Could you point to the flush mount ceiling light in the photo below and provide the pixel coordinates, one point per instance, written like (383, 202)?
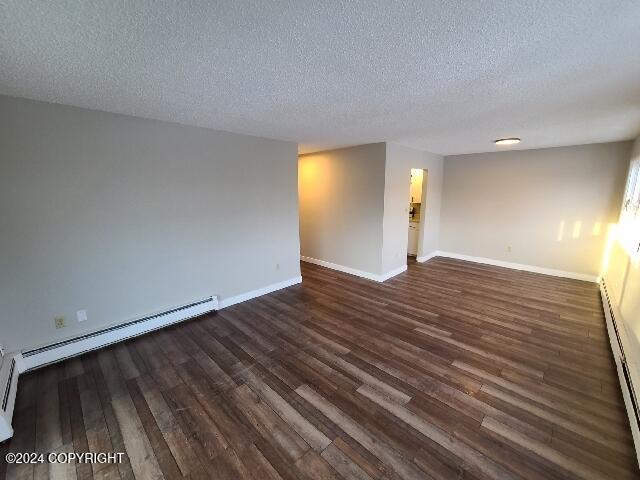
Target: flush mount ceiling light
(507, 141)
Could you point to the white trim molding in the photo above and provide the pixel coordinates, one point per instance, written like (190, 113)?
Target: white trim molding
(353, 271)
(391, 273)
(15, 364)
(341, 268)
(517, 266)
(428, 256)
(243, 297)
(625, 359)
(71, 347)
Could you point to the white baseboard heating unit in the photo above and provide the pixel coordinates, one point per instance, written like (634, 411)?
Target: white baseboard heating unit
(9, 382)
(16, 363)
(624, 365)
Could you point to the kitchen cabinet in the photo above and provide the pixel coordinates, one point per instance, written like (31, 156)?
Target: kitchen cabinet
(415, 194)
(412, 245)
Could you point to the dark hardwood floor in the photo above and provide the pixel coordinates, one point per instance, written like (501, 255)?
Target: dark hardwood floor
(451, 370)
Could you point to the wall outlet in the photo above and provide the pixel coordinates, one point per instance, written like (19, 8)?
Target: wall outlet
(508, 248)
(81, 315)
(277, 266)
(59, 322)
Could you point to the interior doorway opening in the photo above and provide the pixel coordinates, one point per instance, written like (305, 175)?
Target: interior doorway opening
(417, 209)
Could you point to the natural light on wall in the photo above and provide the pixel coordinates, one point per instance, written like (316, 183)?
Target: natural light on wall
(577, 229)
(561, 231)
(628, 231)
(612, 233)
(314, 173)
(308, 171)
(577, 226)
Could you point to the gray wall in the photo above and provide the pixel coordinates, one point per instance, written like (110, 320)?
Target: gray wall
(521, 199)
(400, 160)
(342, 206)
(124, 217)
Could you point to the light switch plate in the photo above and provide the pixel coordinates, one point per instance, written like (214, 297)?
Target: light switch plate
(81, 315)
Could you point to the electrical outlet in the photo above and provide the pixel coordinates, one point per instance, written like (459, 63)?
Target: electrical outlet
(277, 266)
(81, 315)
(59, 322)
(508, 248)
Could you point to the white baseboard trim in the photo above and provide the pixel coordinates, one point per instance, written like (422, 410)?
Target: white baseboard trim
(428, 256)
(518, 266)
(341, 268)
(71, 347)
(353, 271)
(392, 273)
(625, 360)
(38, 357)
(17, 363)
(243, 297)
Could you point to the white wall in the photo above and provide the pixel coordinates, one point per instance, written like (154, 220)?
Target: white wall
(622, 277)
(123, 217)
(341, 206)
(400, 160)
(522, 198)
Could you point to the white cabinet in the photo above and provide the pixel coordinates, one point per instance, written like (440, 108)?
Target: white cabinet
(415, 195)
(412, 245)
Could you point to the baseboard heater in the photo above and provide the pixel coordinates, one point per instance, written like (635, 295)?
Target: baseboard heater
(617, 339)
(9, 382)
(17, 363)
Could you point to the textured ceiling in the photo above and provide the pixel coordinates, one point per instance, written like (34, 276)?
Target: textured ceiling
(445, 76)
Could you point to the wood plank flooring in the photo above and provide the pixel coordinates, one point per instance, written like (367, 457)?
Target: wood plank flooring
(450, 370)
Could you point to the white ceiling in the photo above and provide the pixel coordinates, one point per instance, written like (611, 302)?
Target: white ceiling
(445, 76)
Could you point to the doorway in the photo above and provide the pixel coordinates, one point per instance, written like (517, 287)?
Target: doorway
(417, 210)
